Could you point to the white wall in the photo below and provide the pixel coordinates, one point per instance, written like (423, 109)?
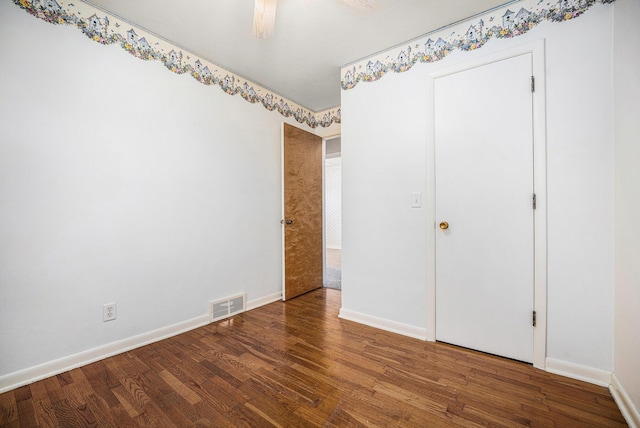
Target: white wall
(627, 162)
(384, 240)
(122, 182)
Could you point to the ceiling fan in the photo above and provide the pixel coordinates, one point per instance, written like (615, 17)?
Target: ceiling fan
(264, 15)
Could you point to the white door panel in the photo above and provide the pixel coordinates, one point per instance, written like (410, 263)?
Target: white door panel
(484, 188)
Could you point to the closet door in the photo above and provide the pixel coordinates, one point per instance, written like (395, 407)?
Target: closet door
(484, 210)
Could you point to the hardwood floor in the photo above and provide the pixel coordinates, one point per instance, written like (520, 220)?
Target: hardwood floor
(296, 364)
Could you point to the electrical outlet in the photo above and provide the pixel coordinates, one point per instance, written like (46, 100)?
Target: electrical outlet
(109, 312)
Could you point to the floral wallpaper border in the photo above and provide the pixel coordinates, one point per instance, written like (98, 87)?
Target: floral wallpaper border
(510, 21)
(108, 30)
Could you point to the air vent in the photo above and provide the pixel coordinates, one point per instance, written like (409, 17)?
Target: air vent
(221, 309)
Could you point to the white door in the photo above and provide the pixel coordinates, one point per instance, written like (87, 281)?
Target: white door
(484, 192)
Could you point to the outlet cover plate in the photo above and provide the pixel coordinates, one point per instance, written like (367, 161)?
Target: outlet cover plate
(109, 312)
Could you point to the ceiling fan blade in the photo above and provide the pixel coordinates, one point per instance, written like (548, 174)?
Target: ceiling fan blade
(264, 18)
(361, 4)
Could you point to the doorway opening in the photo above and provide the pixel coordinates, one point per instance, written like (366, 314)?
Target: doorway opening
(333, 213)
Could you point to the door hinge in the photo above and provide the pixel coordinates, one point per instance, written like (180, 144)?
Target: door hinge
(534, 318)
(533, 84)
(534, 201)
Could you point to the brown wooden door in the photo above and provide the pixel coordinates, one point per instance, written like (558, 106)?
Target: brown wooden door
(302, 212)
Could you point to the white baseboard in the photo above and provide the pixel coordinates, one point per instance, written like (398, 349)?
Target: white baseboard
(579, 372)
(626, 406)
(384, 324)
(51, 368)
(256, 303)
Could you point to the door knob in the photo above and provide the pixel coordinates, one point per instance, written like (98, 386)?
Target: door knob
(289, 221)
(444, 225)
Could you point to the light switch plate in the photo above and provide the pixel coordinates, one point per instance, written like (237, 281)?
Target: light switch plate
(416, 200)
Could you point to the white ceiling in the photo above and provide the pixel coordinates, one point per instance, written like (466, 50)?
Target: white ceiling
(313, 39)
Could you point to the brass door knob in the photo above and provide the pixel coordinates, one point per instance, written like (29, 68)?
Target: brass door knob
(444, 225)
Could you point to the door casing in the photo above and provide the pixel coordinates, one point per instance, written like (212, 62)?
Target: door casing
(537, 49)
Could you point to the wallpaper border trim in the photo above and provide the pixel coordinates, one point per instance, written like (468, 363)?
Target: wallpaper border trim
(501, 23)
(108, 29)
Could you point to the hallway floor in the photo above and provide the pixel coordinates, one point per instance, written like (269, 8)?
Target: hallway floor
(334, 269)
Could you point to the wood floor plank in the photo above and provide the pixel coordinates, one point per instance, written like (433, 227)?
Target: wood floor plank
(279, 407)
(26, 413)
(341, 416)
(100, 411)
(183, 390)
(128, 402)
(165, 403)
(45, 414)
(24, 406)
(263, 415)
(65, 414)
(243, 416)
(211, 417)
(8, 409)
(296, 364)
(419, 384)
(585, 416)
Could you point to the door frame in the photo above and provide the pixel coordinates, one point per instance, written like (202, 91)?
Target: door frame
(537, 49)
